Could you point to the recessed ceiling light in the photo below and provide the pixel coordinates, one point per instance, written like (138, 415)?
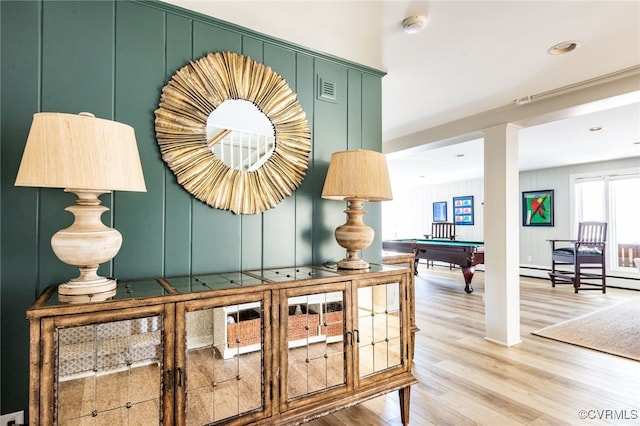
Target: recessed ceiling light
(459, 155)
(562, 48)
(414, 24)
(595, 129)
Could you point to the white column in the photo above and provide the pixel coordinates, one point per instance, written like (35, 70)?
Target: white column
(501, 234)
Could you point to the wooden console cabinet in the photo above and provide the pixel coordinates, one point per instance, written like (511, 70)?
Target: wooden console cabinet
(277, 346)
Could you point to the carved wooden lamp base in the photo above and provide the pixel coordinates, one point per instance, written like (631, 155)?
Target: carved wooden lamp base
(354, 236)
(86, 244)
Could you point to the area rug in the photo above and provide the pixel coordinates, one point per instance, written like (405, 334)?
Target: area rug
(614, 330)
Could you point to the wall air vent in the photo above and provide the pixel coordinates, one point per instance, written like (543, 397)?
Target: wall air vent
(326, 90)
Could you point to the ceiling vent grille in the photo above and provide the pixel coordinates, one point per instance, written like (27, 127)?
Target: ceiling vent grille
(326, 90)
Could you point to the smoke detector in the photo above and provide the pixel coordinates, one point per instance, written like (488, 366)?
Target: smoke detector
(414, 24)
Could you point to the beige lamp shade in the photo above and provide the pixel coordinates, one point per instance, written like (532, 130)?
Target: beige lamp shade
(80, 151)
(357, 174)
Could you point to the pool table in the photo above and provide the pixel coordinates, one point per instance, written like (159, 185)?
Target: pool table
(466, 254)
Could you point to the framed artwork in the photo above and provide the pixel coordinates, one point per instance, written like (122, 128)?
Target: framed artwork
(537, 208)
(463, 210)
(440, 211)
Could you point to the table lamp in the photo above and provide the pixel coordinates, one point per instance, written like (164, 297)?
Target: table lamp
(87, 156)
(356, 176)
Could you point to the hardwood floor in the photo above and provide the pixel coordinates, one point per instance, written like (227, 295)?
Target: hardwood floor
(466, 380)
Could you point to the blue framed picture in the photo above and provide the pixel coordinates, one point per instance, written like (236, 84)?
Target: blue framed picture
(463, 210)
(440, 211)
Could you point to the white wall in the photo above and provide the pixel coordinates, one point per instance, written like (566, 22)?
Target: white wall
(410, 213)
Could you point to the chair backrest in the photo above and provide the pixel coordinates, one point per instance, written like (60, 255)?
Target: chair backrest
(443, 230)
(592, 232)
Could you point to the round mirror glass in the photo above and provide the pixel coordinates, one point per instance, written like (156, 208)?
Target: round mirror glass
(240, 135)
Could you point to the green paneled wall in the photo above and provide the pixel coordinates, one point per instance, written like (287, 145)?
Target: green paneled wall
(112, 58)
(19, 99)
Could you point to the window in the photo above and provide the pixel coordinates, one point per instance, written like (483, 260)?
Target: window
(612, 197)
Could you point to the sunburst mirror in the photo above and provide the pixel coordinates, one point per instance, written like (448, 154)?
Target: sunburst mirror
(233, 132)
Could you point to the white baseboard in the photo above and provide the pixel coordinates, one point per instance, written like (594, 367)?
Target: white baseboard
(627, 280)
(630, 283)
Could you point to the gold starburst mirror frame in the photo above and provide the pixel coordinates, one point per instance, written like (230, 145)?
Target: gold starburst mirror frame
(208, 139)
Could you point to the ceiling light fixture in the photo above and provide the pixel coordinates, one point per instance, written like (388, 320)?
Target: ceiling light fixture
(595, 129)
(563, 47)
(414, 24)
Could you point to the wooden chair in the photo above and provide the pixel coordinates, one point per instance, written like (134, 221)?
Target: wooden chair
(441, 231)
(586, 255)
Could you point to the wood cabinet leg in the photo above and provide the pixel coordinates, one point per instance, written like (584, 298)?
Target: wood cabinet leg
(405, 401)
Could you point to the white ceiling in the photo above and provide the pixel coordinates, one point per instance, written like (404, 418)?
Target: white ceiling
(472, 57)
